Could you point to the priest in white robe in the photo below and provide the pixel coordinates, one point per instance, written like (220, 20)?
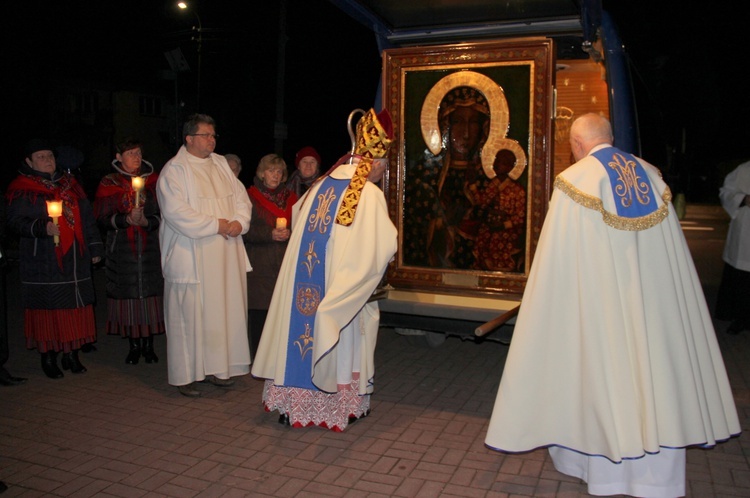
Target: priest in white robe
(731, 301)
(317, 347)
(614, 364)
(205, 209)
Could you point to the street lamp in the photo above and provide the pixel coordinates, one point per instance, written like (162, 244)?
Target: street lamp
(199, 39)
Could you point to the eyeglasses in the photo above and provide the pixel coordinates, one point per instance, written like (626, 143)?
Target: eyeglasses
(206, 135)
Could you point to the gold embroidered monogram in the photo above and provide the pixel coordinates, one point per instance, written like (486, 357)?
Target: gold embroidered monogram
(613, 220)
(629, 185)
(320, 219)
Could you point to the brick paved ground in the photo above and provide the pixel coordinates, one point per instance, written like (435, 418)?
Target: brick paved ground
(121, 430)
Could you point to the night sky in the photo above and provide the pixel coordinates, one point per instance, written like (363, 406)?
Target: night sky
(332, 66)
(687, 61)
(685, 58)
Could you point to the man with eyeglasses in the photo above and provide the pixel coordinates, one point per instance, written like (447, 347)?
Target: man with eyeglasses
(205, 209)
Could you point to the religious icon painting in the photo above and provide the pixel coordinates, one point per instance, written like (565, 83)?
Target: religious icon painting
(470, 176)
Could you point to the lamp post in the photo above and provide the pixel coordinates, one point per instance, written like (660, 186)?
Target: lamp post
(199, 39)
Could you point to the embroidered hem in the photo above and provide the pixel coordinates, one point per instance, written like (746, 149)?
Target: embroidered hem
(135, 318)
(307, 407)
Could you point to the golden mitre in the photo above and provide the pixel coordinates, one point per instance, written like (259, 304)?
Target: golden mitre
(374, 134)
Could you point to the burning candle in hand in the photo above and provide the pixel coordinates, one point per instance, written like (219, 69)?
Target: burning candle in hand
(137, 186)
(54, 210)
(280, 222)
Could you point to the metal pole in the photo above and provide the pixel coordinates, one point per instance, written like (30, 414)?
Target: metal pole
(280, 132)
(200, 50)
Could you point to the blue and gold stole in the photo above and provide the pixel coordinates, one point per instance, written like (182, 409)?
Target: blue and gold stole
(309, 283)
(632, 190)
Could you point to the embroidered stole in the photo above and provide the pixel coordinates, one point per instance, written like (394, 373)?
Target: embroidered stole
(309, 283)
(631, 188)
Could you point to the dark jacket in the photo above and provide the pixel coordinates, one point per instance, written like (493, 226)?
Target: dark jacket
(265, 253)
(300, 185)
(50, 280)
(133, 263)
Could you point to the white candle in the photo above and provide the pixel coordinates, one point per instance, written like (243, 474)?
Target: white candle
(54, 210)
(280, 222)
(137, 186)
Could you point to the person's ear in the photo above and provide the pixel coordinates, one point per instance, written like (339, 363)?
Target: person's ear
(28, 161)
(118, 156)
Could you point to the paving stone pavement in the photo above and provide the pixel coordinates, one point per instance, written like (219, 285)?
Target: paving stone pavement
(121, 430)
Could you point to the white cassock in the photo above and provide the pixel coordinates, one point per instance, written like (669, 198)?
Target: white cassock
(205, 290)
(614, 353)
(346, 325)
(736, 187)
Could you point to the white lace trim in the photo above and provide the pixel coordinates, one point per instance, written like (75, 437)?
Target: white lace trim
(306, 407)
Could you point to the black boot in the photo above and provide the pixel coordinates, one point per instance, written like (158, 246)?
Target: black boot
(135, 352)
(147, 346)
(49, 365)
(88, 347)
(71, 362)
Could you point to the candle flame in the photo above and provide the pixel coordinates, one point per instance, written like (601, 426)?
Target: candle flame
(54, 209)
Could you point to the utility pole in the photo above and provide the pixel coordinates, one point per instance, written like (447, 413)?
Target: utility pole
(279, 128)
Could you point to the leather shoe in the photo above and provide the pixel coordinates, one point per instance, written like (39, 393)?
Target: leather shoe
(353, 418)
(189, 390)
(49, 365)
(6, 379)
(70, 361)
(147, 348)
(212, 379)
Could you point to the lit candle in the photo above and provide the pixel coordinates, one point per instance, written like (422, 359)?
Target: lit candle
(54, 210)
(137, 186)
(280, 222)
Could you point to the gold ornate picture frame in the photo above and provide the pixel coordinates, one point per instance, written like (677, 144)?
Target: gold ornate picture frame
(470, 171)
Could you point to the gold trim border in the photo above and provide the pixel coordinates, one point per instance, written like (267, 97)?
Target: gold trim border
(613, 220)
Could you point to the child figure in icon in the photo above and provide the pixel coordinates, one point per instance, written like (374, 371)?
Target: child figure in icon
(500, 216)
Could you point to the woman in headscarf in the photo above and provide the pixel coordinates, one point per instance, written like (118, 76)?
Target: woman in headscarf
(307, 162)
(56, 254)
(127, 210)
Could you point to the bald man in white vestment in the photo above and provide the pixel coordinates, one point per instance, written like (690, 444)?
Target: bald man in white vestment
(614, 364)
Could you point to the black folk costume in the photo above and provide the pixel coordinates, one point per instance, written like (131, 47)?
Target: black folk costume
(57, 291)
(135, 285)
